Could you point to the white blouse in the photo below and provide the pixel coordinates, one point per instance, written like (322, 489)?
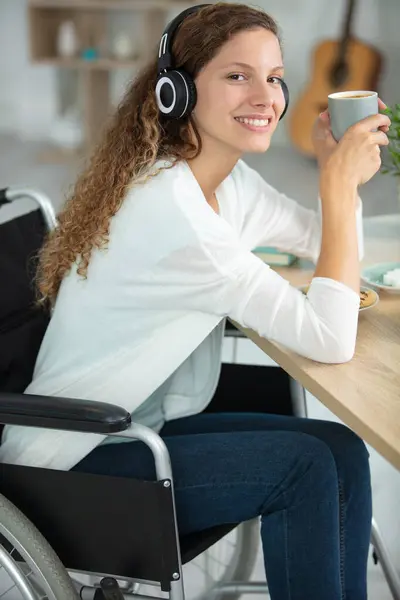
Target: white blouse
(150, 308)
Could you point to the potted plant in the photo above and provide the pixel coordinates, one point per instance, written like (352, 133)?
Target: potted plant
(391, 165)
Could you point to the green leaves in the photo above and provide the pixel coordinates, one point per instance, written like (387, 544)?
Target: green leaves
(392, 166)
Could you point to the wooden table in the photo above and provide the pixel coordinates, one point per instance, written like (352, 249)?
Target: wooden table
(364, 393)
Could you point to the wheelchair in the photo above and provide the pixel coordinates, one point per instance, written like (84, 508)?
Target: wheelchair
(63, 536)
(68, 535)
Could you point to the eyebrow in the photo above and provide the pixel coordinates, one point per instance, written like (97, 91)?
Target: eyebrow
(246, 66)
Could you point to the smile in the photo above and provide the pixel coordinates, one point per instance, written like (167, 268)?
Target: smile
(254, 122)
(259, 125)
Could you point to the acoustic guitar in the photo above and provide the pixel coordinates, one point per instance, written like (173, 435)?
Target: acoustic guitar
(338, 65)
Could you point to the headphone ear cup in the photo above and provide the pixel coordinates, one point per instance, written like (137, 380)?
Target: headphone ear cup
(176, 94)
(286, 95)
(192, 93)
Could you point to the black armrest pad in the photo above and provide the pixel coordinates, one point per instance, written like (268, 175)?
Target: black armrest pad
(62, 413)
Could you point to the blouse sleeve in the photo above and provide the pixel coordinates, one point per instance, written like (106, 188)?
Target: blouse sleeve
(273, 219)
(219, 275)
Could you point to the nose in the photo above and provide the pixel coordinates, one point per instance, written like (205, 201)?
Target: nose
(262, 95)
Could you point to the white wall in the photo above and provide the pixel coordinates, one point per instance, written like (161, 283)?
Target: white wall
(28, 101)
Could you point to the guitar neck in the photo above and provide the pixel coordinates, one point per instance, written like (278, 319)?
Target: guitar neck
(347, 26)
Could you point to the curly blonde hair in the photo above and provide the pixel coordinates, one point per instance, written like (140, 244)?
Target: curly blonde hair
(136, 137)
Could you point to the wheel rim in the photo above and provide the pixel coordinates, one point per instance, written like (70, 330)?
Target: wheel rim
(13, 579)
(22, 565)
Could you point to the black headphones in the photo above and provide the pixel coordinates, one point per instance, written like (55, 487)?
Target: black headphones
(175, 89)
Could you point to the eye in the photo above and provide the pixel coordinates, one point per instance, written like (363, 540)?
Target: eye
(275, 80)
(235, 76)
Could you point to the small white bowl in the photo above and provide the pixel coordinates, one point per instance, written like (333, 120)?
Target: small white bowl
(373, 276)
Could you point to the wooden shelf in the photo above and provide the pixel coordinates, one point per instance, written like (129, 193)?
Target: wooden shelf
(111, 4)
(95, 22)
(105, 64)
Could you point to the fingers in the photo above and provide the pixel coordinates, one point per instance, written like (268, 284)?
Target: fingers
(373, 122)
(324, 116)
(380, 138)
(324, 129)
(381, 105)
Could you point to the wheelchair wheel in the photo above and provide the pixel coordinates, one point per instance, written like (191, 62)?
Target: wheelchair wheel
(231, 559)
(29, 567)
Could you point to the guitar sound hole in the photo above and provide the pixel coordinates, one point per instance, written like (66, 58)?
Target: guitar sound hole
(339, 74)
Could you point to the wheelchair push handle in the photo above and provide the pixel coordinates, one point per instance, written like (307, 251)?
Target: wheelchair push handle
(11, 193)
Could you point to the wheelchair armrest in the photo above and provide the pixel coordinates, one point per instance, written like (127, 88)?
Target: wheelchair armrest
(70, 414)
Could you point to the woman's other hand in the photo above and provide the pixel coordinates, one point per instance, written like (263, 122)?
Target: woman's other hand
(323, 140)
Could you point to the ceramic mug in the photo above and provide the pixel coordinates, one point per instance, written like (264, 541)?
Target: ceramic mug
(347, 108)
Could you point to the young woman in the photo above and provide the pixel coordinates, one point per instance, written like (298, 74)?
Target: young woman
(153, 251)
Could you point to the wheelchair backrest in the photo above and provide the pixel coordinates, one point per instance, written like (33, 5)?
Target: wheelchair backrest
(22, 322)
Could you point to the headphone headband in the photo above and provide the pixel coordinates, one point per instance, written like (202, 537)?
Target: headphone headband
(165, 58)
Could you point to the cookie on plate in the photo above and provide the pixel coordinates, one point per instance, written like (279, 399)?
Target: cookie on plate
(367, 298)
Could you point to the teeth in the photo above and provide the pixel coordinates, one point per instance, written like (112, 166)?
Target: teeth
(253, 122)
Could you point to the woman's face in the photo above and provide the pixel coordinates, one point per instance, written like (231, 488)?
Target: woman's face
(239, 96)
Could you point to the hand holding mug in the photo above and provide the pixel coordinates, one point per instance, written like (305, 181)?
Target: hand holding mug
(323, 137)
(357, 156)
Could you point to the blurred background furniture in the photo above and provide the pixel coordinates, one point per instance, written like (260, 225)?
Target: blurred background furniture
(93, 38)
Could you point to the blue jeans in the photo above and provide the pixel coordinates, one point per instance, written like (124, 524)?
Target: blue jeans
(309, 480)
